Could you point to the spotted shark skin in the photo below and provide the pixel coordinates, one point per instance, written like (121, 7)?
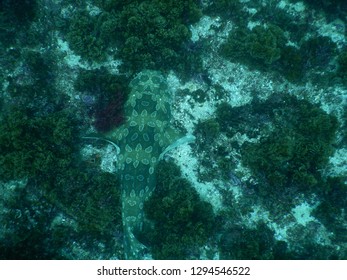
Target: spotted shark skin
(142, 139)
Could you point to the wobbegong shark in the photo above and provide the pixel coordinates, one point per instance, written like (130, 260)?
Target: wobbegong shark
(143, 139)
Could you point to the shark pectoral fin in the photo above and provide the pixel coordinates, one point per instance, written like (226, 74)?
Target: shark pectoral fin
(183, 140)
(96, 138)
(171, 135)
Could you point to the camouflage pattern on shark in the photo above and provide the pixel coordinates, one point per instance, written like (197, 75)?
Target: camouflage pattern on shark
(143, 139)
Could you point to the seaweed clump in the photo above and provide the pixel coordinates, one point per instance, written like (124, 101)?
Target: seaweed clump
(35, 146)
(296, 149)
(260, 47)
(15, 17)
(238, 243)
(148, 34)
(296, 139)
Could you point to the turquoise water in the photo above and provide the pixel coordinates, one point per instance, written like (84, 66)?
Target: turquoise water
(173, 129)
